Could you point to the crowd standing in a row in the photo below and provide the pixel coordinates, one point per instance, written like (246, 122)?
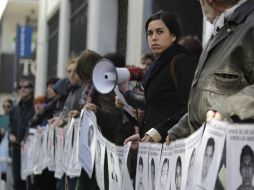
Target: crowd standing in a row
(169, 103)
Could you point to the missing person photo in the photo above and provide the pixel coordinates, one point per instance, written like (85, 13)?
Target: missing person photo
(178, 173)
(114, 176)
(140, 171)
(152, 174)
(208, 158)
(246, 168)
(164, 173)
(90, 135)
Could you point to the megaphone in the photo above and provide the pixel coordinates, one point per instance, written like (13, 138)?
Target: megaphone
(106, 76)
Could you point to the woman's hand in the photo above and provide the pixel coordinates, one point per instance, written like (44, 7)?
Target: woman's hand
(74, 113)
(91, 107)
(118, 103)
(134, 139)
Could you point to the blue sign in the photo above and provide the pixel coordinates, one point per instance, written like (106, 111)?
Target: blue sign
(24, 41)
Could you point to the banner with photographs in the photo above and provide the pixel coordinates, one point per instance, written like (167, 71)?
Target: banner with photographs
(208, 157)
(179, 165)
(154, 154)
(240, 157)
(42, 163)
(99, 160)
(114, 174)
(192, 143)
(163, 181)
(142, 167)
(87, 143)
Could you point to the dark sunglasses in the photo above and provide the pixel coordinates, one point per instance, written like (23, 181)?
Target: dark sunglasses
(6, 106)
(24, 86)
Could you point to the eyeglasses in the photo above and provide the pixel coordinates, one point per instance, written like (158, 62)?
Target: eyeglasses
(7, 106)
(24, 86)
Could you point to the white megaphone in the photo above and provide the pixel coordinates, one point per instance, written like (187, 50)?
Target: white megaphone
(106, 76)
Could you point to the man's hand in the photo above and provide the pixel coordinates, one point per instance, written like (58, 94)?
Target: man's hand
(168, 140)
(118, 103)
(211, 114)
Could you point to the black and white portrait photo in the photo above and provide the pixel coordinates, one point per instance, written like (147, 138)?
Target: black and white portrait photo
(208, 157)
(178, 173)
(113, 175)
(164, 173)
(90, 135)
(246, 168)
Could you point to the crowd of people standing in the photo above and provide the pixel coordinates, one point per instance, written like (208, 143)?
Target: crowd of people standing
(178, 93)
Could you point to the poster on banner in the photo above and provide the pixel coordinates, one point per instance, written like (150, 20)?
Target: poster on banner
(163, 180)
(179, 165)
(120, 160)
(240, 147)
(74, 169)
(27, 148)
(192, 143)
(99, 160)
(127, 182)
(42, 164)
(154, 154)
(209, 155)
(142, 167)
(51, 148)
(37, 151)
(68, 135)
(113, 167)
(59, 150)
(87, 141)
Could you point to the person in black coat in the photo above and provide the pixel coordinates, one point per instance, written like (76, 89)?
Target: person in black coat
(166, 83)
(20, 115)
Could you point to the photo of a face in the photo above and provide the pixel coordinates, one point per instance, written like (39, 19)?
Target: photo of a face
(90, 135)
(153, 174)
(208, 158)
(164, 173)
(113, 173)
(140, 170)
(178, 173)
(246, 168)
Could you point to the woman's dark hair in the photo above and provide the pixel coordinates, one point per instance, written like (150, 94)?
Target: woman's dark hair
(169, 20)
(86, 62)
(117, 58)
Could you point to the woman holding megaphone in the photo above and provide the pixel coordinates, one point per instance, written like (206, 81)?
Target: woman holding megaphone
(166, 83)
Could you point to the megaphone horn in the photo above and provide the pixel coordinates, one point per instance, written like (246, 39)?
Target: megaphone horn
(106, 76)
